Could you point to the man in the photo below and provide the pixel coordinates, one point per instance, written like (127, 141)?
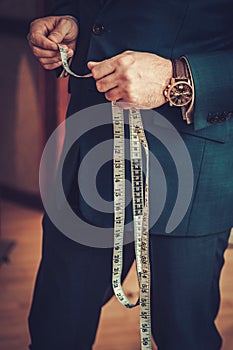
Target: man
(129, 48)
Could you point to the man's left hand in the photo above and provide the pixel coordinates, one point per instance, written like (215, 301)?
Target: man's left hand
(133, 79)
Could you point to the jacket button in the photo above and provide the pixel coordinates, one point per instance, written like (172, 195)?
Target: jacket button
(98, 29)
(229, 115)
(223, 118)
(213, 119)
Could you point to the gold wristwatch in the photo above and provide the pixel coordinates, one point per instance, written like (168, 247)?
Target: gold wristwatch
(179, 92)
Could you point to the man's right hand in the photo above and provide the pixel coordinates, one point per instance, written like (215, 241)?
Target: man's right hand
(45, 33)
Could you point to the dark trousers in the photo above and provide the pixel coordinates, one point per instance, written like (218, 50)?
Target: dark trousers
(74, 281)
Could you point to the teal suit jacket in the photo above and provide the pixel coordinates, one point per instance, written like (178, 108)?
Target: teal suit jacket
(202, 31)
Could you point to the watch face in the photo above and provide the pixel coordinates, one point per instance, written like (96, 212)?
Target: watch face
(180, 93)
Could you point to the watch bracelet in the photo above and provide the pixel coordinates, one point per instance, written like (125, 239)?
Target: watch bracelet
(187, 111)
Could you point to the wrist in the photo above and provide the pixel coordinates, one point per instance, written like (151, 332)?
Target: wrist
(165, 77)
(168, 73)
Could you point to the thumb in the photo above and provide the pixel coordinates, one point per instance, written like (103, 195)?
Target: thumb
(91, 64)
(58, 34)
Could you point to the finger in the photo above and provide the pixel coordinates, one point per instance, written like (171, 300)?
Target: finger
(126, 105)
(92, 64)
(113, 95)
(101, 69)
(46, 60)
(107, 83)
(37, 38)
(41, 53)
(52, 66)
(59, 33)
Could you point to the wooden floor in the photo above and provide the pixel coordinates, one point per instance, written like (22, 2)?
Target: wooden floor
(118, 327)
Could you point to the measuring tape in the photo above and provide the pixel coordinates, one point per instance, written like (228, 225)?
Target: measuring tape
(66, 64)
(140, 214)
(140, 196)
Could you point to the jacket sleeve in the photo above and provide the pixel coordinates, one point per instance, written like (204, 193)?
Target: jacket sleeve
(213, 81)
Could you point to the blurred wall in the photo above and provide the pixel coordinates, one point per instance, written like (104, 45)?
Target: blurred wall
(21, 112)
